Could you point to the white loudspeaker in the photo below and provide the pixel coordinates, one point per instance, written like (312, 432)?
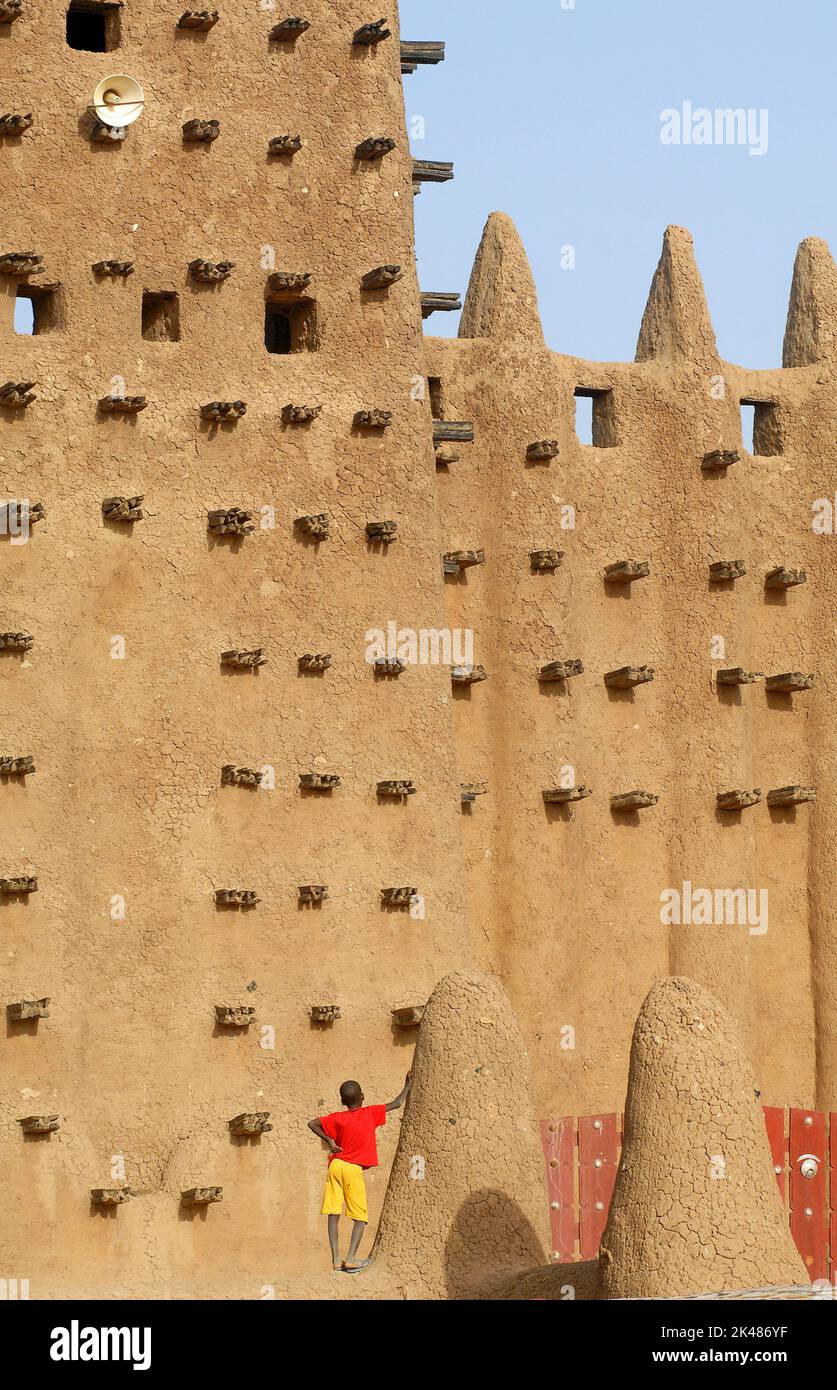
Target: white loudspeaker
(118, 100)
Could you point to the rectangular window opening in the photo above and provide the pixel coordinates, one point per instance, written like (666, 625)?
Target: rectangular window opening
(37, 310)
(92, 27)
(291, 327)
(595, 423)
(437, 397)
(760, 429)
(160, 316)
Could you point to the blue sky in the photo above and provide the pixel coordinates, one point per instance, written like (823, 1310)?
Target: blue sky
(558, 124)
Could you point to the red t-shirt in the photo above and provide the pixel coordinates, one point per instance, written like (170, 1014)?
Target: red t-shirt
(354, 1131)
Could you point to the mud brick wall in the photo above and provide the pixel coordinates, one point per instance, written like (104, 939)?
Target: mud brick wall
(565, 901)
(127, 797)
(129, 715)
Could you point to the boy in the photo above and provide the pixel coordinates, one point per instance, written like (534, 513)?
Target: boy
(350, 1135)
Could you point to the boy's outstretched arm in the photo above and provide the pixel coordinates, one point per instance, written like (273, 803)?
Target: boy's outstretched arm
(316, 1128)
(400, 1099)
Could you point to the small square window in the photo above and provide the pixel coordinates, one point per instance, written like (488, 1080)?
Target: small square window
(37, 309)
(160, 316)
(92, 27)
(291, 327)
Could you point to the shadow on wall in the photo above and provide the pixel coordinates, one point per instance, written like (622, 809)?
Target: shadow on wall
(488, 1236)
(489, 1233)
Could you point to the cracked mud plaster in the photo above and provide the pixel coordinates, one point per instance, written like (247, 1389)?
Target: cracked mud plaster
(478, 1211)
(681, 1221)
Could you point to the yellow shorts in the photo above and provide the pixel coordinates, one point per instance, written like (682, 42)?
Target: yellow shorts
(345, 1180)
